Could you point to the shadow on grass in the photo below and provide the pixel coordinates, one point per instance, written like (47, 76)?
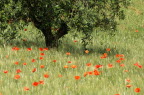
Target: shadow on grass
(99, 49)
(25, 44)
(75, 49)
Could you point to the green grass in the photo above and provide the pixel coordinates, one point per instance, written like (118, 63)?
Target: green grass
(111, 81)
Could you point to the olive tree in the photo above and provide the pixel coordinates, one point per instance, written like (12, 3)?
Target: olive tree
(82, 15)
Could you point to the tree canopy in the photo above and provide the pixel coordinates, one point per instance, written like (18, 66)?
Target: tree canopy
(83, 15)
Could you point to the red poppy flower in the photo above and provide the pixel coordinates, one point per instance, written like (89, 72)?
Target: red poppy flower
(16, 76)
(24, 63)
(26, 88)
(137, 90)
(68, 53)
(108, 49)
(122, 65)
(35, 83)
(46, 75)
(140, 66)
(18, 71)
(85, 74)
(118, 61)
(45, 49)
(128, 86)
(73, 66)
(88, 64)
(75, 40)
(96, 72)
(136, 31)
(41, 49)
(90, 73)
(98, 66)
(128, 80)
(54, 60)
(42, 66)
(15, 48)
(25, 29)
(5, 71)
(41, 58)
(42, 54)
(77, 77)
(110, 65)
(16, 63)
(125, 70)
(34, 70)
(86, 51)
(33, 60)
(41, 82)
(29, 49)
(69, 62)
(59, 75)
(121, 59)
(65, 66)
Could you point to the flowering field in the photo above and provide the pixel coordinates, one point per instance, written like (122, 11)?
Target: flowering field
(112, 65)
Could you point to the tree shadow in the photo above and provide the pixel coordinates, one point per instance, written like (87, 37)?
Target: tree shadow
(75, 49)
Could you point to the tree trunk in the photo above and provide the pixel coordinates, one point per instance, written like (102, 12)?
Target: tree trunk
(49, 37)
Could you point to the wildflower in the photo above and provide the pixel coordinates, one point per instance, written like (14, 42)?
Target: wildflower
(137, 90)
(42, 54)
(128, 80)
(73, 66)
(16, 76)
(46, 75)
(33, 60)
(136, 31)
(16, 63)
(65, 66)
(24, 63)
(35, 84)
(86, 51)
(41, 49)
(18, 71)
(26, 88)
(128, 86)
(59, 75)
(108, 49)
(41, 82)
(25, 29)
(54, 60)
(118, 61)
(41, 58)
(98, 66)
(42, 66)
(122, 65)
(77, 77)
(85, 74)
(34, 70)
(69, 62)
(45, 49)
(125, 70)
(121, 59)
(29, 49)
(90, 73)
(110, 65)
(68, 53)
(15, 48)
(75, 40)
(88, 64)
(96, 72)
(5, 71)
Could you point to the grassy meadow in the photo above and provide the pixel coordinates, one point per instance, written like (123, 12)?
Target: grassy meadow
(113, 65)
